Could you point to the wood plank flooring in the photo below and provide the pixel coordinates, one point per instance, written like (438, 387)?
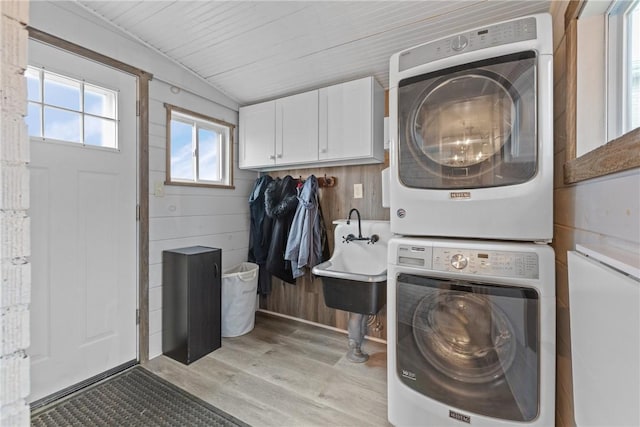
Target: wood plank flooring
(287, 373)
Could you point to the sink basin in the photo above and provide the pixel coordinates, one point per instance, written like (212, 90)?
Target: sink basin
(354, 279)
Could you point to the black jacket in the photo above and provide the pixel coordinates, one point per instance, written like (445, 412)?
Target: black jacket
(281, 202)
(260, 232)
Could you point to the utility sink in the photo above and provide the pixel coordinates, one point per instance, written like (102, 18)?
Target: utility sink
(354, 279)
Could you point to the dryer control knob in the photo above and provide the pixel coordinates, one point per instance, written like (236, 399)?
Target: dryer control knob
(459, 261)
(458, 43)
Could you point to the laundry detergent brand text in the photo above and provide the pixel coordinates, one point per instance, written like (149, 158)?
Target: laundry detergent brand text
(460, 417)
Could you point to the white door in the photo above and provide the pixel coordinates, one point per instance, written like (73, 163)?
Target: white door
(83, 232)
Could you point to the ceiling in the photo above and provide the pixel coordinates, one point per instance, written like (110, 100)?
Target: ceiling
(259, 50)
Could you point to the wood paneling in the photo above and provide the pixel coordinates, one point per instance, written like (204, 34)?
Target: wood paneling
(602, 211)
(618, 155)
(258, 51)
(305, 299)
(181, 216)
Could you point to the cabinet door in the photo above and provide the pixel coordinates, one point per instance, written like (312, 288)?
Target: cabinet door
(297, 128)
(257, 135)
(348, 114)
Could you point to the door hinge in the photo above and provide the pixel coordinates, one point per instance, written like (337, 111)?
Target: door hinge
(137, 108)
(137, 316)
(137, 212)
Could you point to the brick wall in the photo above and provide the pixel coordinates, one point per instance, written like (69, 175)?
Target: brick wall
(14, 222)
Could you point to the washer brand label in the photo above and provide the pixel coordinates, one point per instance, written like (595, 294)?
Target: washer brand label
(460, 417)
(460, 195)
(409, 375)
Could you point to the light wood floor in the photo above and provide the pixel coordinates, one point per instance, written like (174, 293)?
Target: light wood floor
(287, 373)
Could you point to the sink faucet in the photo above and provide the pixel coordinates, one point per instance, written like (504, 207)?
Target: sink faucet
(359, 224)
(350, 237)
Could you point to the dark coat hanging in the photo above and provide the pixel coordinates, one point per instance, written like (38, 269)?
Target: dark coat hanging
(260, 232)
(281, 202)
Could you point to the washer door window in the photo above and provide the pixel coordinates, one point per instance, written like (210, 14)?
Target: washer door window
(470, 126)
(469, 345)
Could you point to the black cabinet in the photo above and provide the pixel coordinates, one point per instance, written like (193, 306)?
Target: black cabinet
(190, 302)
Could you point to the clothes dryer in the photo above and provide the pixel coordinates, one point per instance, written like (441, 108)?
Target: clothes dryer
(471, 122)
(471, 333)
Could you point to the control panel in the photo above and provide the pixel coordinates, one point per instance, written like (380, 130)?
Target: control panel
(490, 263)
(493, 35)
(470, 261)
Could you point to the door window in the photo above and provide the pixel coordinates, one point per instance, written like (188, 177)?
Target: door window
(469, 126)
(65, 109)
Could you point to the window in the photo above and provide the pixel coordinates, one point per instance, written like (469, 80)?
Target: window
(623, 62)
(602, 114)
(61, 108)
(199, 149)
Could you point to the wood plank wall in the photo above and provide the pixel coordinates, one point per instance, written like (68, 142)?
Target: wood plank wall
(602, 211)
(305, 300)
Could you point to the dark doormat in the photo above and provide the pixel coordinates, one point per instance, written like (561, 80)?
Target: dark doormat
(135, 397)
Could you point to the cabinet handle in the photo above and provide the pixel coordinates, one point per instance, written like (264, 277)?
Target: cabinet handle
(279, 156)
(216, 270)
(272, 157)
(323, 150)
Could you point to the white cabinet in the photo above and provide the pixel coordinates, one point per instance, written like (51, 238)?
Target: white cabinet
(257, 132)
(352, 122)
(336, 125)
(297, 129)
(279, 132)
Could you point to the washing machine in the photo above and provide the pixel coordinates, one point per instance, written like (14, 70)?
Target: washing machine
(471, 134)
(471, 333)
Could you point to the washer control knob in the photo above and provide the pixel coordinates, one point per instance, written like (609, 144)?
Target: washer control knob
(458, 43)
(459, 261)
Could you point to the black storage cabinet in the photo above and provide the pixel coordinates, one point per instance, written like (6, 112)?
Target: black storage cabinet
(191, 287)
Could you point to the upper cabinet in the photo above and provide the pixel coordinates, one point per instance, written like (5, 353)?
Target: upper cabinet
(336, 125)
(297, 129)
(352, 121)
(280, 132)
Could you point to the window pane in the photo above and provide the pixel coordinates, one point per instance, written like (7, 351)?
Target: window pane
(98, 101)
(33, 119)
(63, 125)
(61, 92)
(182, 167)
(208, 155)
(33, 84)
(634, 72)
(99, 132)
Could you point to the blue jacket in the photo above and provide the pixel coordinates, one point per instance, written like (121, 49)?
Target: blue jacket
(304, 244)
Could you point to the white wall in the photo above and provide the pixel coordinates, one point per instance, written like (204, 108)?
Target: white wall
(183, 216)
(188, 216)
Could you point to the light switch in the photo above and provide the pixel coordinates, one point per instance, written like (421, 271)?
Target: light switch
(357, 191)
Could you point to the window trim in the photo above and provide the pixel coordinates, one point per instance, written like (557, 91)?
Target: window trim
(609, 158)
(229, 159)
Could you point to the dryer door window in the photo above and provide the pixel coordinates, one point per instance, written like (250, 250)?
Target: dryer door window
(469, 126)
(470, 345)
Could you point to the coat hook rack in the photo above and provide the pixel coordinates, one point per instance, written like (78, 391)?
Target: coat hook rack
(323, 181)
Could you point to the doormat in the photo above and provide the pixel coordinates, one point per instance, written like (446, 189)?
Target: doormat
(135, 397)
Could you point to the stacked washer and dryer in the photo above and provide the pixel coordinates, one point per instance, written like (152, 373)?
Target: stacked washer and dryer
(471, 280)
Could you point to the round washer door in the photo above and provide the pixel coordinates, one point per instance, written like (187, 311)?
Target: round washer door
(469, 126)
(470, 346)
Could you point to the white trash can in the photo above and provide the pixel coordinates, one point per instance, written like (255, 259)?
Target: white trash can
(238, 301)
